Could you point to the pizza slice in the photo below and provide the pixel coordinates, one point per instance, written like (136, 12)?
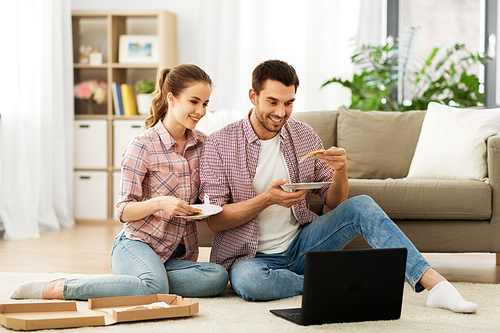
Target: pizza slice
(198, 211)
(314, 152)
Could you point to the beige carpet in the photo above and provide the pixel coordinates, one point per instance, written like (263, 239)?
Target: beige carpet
(229, 313)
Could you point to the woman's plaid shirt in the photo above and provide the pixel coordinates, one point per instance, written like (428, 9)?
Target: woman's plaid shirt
(152, 167)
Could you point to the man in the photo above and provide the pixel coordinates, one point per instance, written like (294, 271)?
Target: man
(263, 233)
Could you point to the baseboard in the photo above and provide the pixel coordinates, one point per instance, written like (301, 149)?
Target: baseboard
(108, 222)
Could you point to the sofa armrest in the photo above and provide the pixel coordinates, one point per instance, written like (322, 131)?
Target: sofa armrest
(493, 159)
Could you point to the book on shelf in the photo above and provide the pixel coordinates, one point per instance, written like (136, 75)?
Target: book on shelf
(128, 100)
(117, 98)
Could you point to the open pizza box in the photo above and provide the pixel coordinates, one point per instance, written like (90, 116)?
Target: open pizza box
(101, 311)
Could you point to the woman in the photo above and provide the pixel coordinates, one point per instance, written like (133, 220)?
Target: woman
(157, 250)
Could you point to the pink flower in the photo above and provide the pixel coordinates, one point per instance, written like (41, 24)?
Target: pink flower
(92, 89)
(84, 91)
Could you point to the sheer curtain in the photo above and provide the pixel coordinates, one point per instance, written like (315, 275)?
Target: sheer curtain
(36, 117)
(314, 36)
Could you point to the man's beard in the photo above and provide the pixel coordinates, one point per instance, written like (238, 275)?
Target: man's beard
(268, 127)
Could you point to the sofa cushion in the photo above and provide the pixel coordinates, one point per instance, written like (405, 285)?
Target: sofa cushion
(428, 199)
(215, 120)
(379, 144)
(205, 235)
(323, 122)
(452, 143)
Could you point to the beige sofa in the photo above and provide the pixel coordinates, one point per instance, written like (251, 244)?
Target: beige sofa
(437, 215)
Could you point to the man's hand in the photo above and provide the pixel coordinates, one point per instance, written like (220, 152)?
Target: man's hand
(236, 214)
(281, 197)
(334, 157)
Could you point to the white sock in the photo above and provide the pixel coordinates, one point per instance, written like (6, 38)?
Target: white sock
(445, 296)
(29, 290)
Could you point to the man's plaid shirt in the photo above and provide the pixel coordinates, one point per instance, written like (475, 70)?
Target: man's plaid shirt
(228, 164)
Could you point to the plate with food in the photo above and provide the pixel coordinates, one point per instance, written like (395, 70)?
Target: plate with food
(203, 212)
(304, 186)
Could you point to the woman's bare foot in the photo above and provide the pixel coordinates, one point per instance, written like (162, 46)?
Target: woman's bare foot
(53, 289)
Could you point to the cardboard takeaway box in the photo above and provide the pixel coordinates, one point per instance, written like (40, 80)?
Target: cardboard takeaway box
(64, 314)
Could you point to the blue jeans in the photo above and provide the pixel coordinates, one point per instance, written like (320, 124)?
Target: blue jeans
(139, 271)
(276, 276)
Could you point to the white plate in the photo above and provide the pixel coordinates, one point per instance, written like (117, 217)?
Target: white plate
(304, 186)
(207, 210)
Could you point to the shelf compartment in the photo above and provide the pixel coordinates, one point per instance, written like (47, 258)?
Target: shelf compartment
(90, 30)
(91, 195)
(90, 73)
(91, 143)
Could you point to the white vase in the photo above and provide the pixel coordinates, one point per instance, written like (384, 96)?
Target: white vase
(143, 103)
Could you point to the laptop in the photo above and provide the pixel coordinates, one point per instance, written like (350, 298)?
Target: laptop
(350, 286)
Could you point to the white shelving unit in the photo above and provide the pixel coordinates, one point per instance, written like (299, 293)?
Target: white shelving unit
(100, 136)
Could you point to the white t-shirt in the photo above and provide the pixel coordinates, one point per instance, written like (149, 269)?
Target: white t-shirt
(277, 224)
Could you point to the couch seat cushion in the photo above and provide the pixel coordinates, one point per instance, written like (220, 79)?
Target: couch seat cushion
(427, 199)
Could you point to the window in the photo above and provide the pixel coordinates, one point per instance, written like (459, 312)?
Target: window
(491, 75)
(442, 23)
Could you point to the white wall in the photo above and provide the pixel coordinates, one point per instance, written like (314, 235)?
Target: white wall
(193, 47)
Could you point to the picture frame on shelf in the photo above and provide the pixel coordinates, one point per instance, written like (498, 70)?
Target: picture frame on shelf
(138, 49)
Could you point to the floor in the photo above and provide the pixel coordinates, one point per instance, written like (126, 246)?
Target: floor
(86, 249)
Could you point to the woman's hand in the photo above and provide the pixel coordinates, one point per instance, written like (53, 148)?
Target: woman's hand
(171, 205)
(174, 206)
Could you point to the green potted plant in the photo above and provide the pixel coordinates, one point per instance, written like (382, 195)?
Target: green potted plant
(441, 77)
(144, 89)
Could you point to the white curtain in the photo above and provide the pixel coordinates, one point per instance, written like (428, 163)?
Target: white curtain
(314, 36)
(36, 177)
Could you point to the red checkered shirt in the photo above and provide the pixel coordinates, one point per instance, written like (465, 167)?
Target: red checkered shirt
(228, 165)
(152, 167)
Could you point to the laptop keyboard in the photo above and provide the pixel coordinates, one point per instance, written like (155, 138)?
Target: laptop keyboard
(295, 316)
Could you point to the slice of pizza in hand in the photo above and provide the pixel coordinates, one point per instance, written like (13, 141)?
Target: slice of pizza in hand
(314, 152)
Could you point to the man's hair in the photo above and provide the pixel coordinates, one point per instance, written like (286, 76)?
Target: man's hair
(276, 70)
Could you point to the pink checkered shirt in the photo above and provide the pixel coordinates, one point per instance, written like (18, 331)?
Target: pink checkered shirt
(228, 165)
(152, 167)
